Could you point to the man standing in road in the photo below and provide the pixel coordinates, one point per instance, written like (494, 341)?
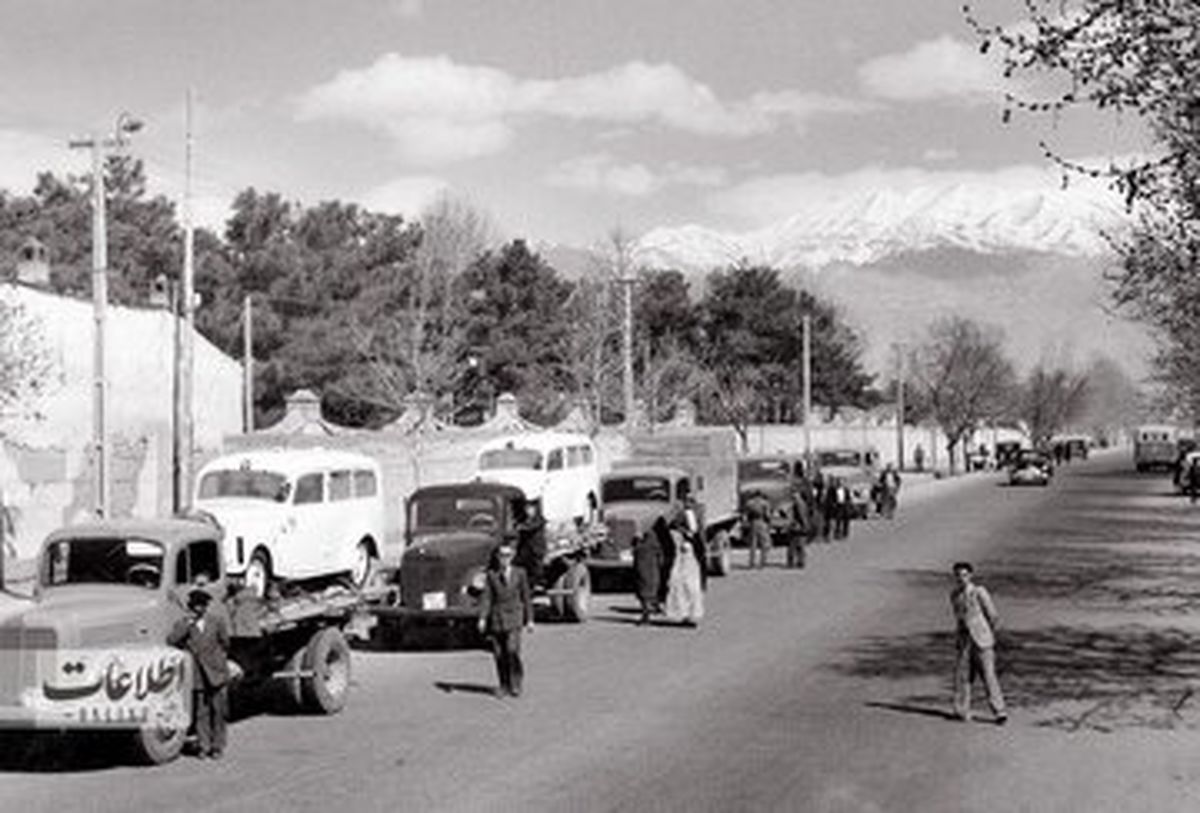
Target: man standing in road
(976, 622)
(205, 634)
(757, 510)
(798, 534)
(504, 611)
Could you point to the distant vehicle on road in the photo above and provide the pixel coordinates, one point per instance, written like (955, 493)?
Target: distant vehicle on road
(776, 477)
(1006, 452)
(296, 514)
(1030, 467)
(857, 468)
(1155, 446)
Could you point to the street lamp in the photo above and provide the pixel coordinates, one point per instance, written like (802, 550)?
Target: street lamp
(100, 146)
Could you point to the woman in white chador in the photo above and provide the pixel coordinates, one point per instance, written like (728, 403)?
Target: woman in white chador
(685, 594)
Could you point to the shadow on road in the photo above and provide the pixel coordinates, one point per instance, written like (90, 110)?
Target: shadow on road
(1128, 676)
(466, 688)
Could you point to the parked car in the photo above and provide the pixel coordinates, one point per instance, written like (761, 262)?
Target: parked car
(295, 514)
(1030, 467)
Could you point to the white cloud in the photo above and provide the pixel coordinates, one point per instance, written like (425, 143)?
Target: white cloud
(437, 110)
(945, 68)
(601, 172)
(407, 196)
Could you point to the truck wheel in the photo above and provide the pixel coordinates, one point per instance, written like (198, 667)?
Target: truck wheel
(577, 604)
(365, 564)
(158, 746)
(721, 564)
(258, 573)
(327, 656)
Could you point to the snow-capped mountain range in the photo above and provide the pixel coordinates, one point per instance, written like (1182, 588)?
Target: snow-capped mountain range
(865, 227)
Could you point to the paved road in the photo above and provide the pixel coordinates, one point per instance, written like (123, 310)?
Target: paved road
(820, 690)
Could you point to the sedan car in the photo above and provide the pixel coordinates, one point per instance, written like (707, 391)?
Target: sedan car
(1030, 467)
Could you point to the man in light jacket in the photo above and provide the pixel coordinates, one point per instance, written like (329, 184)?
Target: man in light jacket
(976, 621)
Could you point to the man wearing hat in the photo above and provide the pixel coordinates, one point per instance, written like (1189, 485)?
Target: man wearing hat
(504, 611)
(205, 634)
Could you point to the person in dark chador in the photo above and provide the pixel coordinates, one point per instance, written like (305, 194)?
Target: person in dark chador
(1192, 480)
(819, 508)
(505, 610)
(205, 634)
(531, 540)
(648, 568)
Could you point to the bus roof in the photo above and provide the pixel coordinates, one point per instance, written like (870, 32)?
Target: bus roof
(538, 441)
(292, 461)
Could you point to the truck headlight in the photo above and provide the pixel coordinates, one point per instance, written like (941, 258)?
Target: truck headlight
(626, 555)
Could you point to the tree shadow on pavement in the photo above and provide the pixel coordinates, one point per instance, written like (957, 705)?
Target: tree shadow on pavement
(1070, 677)
(467, 688)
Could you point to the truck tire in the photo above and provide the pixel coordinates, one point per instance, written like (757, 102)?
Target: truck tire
(574, 592)
(721, 563)
(327, 656)
(258, 573)
(366, 563)
(157, 746)
(577, 604)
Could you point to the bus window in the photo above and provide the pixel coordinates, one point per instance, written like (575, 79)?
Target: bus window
(575, 456)
(339, 485)
(309, 489)
(364, 483)
(554, 460)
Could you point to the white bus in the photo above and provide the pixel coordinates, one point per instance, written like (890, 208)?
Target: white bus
(295, 514)
(1155, 446)
(558, 468)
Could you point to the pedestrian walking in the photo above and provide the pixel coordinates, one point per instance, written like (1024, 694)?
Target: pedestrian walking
(685, 595)
(205, 634)
(757, 511)
(1193, 480)
(975, 638)
(889, 490)
(798, 532)
(647, 568)
(531, 539)
(840, 508)
(820, 508)
(919, 457)
(506, 610)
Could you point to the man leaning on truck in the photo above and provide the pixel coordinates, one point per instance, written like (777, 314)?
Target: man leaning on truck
(205, 634)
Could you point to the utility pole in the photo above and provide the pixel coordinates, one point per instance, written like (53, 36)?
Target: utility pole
(247, 365)
(99, 147)
(188, 381)
(899, 406)
(627, 281)
(806, 372)
(186, 420)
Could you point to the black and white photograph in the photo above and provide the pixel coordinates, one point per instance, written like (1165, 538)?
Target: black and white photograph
(600, 405)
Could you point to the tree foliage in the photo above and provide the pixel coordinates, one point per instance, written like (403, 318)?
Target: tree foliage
(1136, 58)
(961, 371)
(1050, 400)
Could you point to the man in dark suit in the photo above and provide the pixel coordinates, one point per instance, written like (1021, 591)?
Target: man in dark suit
(205, 634)
(504, 612)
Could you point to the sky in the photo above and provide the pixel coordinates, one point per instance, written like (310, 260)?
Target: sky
(561, 119)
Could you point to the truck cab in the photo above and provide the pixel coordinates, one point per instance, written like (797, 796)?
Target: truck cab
(452, 533)
(106, 593)
(634, 496)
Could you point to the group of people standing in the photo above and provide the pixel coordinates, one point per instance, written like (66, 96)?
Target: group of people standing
(669, 570)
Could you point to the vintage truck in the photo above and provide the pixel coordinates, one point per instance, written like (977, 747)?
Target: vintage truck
(87, 650)
(857, 468)
(665, 473)
(776, 477)
(452, 533)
